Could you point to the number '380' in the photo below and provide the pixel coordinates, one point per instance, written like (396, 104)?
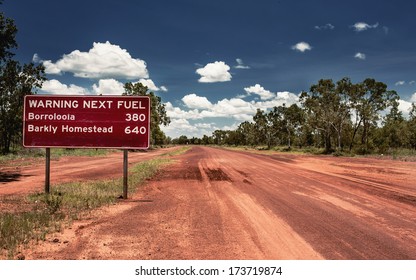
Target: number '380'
(135, 117)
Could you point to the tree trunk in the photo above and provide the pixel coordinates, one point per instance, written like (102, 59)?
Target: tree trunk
(339, 137)
(6, 144)
(328, 145)
(354, 134)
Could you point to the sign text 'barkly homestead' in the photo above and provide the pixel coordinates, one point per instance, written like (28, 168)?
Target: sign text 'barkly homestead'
(86, 121)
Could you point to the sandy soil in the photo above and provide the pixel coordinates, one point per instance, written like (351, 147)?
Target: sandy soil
(219, 204)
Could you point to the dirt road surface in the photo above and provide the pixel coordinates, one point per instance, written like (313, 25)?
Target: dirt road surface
(220, 204)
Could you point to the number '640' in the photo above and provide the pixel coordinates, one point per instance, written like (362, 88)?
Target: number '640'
(135, 130)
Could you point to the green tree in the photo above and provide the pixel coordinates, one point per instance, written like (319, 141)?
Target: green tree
(275, 125)
(8, 42)
(326, 109)
(157, 111)
(246, 131)
(206, 140)
(342, 110)
(294, 118)
(286, 122)
(233, 137)
(367, 101)
(16, 81)
(394, 129)
(183, 140)
(263, 128)
(411, 127)
(219, 137)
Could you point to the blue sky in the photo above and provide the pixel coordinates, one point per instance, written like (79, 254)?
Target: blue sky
(215, 62)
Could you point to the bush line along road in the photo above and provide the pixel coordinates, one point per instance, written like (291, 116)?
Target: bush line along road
(214, 203)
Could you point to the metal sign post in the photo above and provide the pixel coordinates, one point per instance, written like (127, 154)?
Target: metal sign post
(125, 173)
(47, 170)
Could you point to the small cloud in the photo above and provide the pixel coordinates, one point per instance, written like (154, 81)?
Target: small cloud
(194, 101)
(56, 87)
(214, 72)
(400, 83)
(151, 85)
(327, 26)
(36, 58)
(360, 56)
(302, 47)
(412, 82)
(362, 26)
(51, 68)
(260, 91)
(240, 64)
(108, 87)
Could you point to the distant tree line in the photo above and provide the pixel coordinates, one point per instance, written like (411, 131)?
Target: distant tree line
(341, 116)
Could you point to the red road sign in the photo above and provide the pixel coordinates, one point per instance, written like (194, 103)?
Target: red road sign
(86, 121)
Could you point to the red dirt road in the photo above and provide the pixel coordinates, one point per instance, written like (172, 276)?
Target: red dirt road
(219, 204)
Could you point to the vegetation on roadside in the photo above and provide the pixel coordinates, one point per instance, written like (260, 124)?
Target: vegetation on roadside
(65, 203)
(177, 152)
(23, 157)
(60, 152)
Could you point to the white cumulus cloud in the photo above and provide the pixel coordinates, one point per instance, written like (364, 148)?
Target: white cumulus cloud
(360, 56)
(260, 91)
(405, 107)
(282, 97)
(302, 47)
(108, 87)
(214, 72)
(177, 113)
(151, 85)
(56, 87)
(237, 108)
(413, 98)
(179, 127)
(194, 101)
(327, 26)
(103, 60)
(362, 26)
(240, 64)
